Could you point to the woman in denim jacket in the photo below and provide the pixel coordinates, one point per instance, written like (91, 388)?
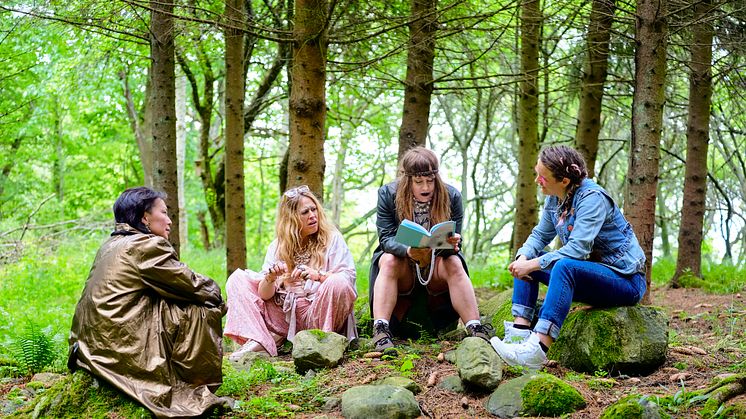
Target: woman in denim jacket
(600, 262)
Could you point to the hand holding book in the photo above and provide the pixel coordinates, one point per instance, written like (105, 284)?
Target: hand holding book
(440, 236)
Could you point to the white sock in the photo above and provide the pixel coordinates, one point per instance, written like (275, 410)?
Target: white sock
(382, 321)
(473, 322)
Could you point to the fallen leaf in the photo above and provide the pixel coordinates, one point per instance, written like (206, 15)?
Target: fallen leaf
(698, 351)
(441, 357)
(680, 376)
(464, 402)
(682, 350)
(705, 305)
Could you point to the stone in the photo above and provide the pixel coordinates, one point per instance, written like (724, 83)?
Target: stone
(402, 382)
(452, 383)
(622, 340)
(315, 349)
(479, 366)
(534, 394)
(633, 406)
(379, 401)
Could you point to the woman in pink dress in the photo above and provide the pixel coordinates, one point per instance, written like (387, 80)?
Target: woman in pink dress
(307, 281)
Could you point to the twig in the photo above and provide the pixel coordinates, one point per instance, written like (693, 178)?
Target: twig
(28, 220)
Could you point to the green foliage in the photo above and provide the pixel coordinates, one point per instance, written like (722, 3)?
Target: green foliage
(34, 349)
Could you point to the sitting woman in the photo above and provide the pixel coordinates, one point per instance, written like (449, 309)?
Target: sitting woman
(307, 281)
(146, 323)
(397, 271)
(599, 263)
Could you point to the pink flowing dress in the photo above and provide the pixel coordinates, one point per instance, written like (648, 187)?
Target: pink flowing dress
(330, 307)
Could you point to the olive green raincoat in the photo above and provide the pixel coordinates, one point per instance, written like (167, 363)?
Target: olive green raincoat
(150, 326)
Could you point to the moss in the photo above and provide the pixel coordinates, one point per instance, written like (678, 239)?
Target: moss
(633, 406)
(79, 395)
(547, 395)
(318, 333)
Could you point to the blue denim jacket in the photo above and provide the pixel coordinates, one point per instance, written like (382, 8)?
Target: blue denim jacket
(594, 230)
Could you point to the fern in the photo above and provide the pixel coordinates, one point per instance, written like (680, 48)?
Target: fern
(34, 349)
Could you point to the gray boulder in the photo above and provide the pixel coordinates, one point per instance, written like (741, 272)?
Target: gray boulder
(626, 340)
(452, 383)
(534, 394)
(315, 349)
(478, 364)
(633, 406)
(399, 381)
(379, 401)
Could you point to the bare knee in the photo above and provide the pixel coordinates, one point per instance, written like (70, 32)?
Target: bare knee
(391, 265)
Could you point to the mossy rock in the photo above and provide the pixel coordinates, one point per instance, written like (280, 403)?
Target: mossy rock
(628, 340)
(497, 309)
(547, 395)
(80, 395)
(633, 406)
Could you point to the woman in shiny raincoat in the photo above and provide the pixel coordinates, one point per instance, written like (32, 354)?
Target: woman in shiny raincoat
(146, 323)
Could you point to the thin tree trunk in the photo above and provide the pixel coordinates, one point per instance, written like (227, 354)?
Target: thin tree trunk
(593, 80)
(419, 82)
(141, 125)
(164, 110)
(697, 140)
(181, 153)
(235, 197)
(647, 124)
(338, 189)
(306, 162)
(526, 211)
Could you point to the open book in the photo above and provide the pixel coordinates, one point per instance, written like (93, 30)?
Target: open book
(414, 235)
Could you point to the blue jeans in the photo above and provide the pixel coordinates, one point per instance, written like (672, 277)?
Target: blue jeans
(574, 280)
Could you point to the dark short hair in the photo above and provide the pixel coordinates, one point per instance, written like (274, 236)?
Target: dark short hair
(133, 203)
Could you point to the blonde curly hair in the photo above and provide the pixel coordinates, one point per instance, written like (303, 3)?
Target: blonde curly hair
(288, 229)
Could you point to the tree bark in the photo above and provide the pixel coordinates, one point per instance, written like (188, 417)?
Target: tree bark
(647, 124)
(689, 257)
(526, 210)
(418, 88)
(306, 162)
(181, 134)
(164, 110)
(593, 80)
(141, 125)
(235, 197)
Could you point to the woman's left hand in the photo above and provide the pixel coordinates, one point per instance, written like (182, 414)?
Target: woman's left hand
(454, 240)
(304, 272)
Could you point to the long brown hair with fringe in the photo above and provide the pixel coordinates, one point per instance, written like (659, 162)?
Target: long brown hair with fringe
(288, 228)
(565, 162)
(416, 162)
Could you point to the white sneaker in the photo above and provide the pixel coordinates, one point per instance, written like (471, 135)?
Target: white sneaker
(513, 335)
(527, 354)
(249, 346)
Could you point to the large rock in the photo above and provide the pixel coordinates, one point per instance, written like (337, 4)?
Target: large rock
(497, 309)
(399, 381)
(479, 366)
(627, 340)
(534, 394)
(315, 349)
(379, 401)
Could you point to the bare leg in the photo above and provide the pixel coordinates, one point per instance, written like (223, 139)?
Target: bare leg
(449, 273)
(394, 276)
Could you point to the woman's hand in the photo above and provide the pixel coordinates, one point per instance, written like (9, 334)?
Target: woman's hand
(304, 272)
(274, 271)
(454, 240)
(421, 255)
(522, 267)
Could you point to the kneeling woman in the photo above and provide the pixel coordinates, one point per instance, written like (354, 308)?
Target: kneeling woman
(146, 323)
(307, 281)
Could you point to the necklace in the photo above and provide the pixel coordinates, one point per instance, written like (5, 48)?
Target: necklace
(302, 256)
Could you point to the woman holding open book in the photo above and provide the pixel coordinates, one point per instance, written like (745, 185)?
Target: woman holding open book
(403, 277)
(599, 263)
(307, 281)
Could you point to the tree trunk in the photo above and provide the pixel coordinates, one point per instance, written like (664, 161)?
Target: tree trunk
(647, 123)
(419, 83)
(210, 164)
(164, 110)
(526, 211)
(306, 162)
(697, 139)
(593, 79)
(235, 197)
(181, 153)
(141, 125)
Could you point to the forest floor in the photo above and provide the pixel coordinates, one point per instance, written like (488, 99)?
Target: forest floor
(707, 339)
